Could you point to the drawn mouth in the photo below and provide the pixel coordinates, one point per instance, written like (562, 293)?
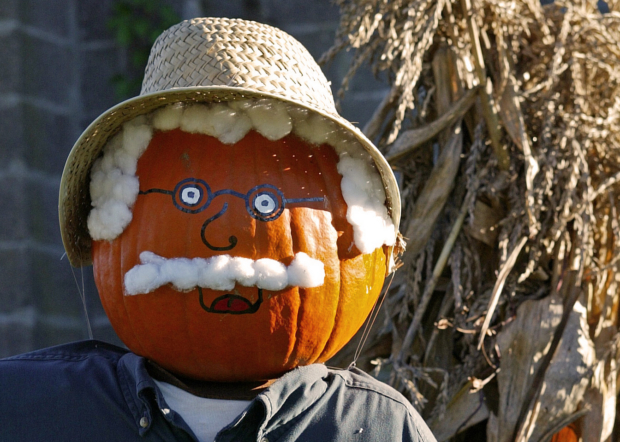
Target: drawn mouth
(231, 304)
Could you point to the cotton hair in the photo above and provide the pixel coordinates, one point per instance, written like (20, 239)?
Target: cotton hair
(270, 118)
(222, 272)
(363, 191)
(114, 186)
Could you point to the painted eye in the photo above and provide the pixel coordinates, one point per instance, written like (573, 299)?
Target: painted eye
(265, 202)
(192, 195)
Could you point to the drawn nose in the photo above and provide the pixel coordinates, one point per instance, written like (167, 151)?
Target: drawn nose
(232, 240)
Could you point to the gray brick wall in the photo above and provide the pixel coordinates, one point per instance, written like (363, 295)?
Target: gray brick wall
(57, 58)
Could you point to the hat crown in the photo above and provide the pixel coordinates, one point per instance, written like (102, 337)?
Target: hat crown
(236, 53)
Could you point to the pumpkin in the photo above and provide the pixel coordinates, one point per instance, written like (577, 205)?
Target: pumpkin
(244, 334)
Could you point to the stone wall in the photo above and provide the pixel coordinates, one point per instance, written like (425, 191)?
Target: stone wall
(57, 59)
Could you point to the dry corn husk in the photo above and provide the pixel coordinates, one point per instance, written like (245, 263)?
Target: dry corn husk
(503, 118)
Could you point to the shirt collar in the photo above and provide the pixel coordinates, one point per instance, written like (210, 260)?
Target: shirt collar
(214, 390)
(274, 408)
(139, 390)
(277, 406)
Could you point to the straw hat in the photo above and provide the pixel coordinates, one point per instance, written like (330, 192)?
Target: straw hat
(206, 60)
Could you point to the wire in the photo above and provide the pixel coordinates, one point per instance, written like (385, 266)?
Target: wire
(82, 292)
(374, 313)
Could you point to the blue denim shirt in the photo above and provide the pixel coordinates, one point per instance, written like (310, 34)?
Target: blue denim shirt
(93, 391)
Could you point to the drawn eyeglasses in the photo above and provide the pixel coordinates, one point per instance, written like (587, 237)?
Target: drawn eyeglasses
(264, 202)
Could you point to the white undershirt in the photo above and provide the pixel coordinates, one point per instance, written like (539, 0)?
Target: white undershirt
(203, 415)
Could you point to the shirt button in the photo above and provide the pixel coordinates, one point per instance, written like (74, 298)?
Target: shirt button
(144, 422)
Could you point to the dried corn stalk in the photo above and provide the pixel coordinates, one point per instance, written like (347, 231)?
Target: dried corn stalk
(503, 118)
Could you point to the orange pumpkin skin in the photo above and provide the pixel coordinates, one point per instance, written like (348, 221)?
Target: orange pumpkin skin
(292, 327)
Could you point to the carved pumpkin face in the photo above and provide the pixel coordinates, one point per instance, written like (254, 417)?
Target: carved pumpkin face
(254, 199)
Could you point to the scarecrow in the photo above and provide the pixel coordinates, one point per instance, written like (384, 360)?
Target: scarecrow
(240, 232)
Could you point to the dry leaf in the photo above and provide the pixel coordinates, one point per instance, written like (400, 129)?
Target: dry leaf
(523, 344)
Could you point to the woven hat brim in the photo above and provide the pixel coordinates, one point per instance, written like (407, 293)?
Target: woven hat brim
(74, 202)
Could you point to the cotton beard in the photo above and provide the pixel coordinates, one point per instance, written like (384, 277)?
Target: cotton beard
(222, 272)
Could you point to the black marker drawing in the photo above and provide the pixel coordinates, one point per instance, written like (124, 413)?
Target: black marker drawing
(231, 304)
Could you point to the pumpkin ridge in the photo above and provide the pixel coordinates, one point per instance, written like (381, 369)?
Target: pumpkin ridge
(296, 226)
(124, 298)
(111, 304)
(374, 270)
(326, 166)
(189, 299)
(114, 249)
(331, 185)
(292, 351)
(334, 319)
(131, 248)
(296, 229)
(294, 336)
(327, 351)
(189, 336)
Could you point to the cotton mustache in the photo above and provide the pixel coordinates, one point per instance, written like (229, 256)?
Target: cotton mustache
(222, 272)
